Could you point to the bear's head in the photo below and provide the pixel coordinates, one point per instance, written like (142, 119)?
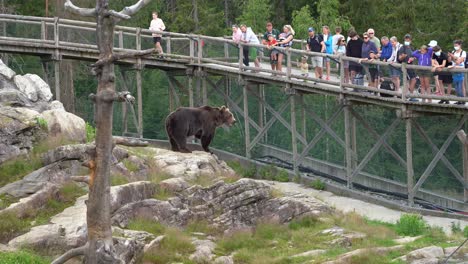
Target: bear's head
(226, 116)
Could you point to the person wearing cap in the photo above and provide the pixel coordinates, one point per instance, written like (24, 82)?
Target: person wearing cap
(369, 52)
(424, 56)
(270, 31)
(439, 62)
(432, 44)
(405, 55)
(315, 44)
(236, 33)
(373, 38)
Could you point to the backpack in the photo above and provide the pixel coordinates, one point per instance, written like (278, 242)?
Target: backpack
(466, 57)
(387, 85)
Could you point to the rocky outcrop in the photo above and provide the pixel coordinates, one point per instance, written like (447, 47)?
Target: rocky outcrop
(68, 229)
(66, 125)
(191, 165)
(425, 255)
(229, 206)
(346, 258)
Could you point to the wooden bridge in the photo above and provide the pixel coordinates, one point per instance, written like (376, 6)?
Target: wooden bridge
(213, 65)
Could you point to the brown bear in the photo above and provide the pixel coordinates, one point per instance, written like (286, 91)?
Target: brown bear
(200, 122)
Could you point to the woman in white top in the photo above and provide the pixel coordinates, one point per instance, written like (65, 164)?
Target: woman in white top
(157, 25)
(250, 53)
(287, 42)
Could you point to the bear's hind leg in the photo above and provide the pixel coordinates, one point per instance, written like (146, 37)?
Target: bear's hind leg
(205, 142)
(174, 146)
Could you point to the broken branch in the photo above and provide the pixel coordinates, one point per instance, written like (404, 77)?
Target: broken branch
(87, 12)
(130, 142)
(70, 254)
(131, 10)
(84, 179)
(120, 56)
(119, 15)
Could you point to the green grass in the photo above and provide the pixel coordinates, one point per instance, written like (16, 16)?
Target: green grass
(147, 225)
(245, 172)
(201, 226)
(175, 247)
(22, 257)
(90, 132)
(118, 179)
(163, 194)
(42, 123)
(130, 165)
(13, 226)
(6, 200)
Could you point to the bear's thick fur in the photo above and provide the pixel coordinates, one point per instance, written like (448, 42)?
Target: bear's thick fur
(200, 122)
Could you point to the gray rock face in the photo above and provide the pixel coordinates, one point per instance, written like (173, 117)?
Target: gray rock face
(27, 87)
(68, 229)
(42, 88)
(6, 72)
(230, 206)
(203, 251)
(426, 253)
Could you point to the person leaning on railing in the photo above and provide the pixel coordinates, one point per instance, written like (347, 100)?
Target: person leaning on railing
(394, 71)
(405, 55)
(458, 77)
(424, 56)
(439, 62)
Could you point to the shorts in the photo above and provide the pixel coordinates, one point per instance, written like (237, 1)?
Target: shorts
(346, 64)
(395, 72)
(411, 74)
(355, 67)
(156, 40)
(317, 61)
(446, 78)
(424, 73)
(253, 53)
(373, 73)
(326, 59)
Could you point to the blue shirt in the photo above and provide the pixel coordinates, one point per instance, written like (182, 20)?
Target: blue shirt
(368, 48)
(424, 59)
(386, 51)
(328, 44)
(458, 76)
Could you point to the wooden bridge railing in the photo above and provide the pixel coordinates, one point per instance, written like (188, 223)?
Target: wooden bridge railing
(199, 49)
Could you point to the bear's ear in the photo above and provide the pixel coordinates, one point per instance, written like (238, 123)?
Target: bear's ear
(222, 108)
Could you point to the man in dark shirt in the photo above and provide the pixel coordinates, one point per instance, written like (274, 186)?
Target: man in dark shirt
(440, 61)
(405, 55)
(275, 33)
(354, 49)
(369, 52)
(315, 44)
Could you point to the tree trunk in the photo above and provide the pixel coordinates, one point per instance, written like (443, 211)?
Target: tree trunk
(195, 15)
(226, 13)
(100, 245)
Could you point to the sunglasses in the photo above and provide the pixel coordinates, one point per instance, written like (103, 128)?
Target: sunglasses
(366, 37)
(371, 33)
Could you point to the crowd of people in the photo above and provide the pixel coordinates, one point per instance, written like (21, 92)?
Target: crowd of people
(365, 48)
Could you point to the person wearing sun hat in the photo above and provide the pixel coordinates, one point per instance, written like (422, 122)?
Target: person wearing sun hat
(432, 44)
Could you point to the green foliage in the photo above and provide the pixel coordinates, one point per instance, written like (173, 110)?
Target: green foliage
(255, 15)
(243, 171)
(302, 20)
(163, 194)
(273, 173)
(317, 184)
(411, 225)
(465, 231)
(22, 257)
(149, 226)
(303, 222)
(131, 166)
(175, 247)
(42, 123)
(118, 179)
(455, 227)
(90, 132)
(12, 226)
(6, 200)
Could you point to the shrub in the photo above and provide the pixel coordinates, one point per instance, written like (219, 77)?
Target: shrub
(118, 179)
(411, 225)
(317, 184)
(243, 171)
(149, 226)
(282, 176)
(455, 227)
(90, 132)
(303, 222)
(268, 172)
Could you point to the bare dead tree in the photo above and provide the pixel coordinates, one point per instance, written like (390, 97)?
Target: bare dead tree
(99, 247)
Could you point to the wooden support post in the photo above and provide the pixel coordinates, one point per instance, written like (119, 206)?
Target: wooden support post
(190, 90)
(409, 162)
(348, 144)
(121, 43)
(288, 64)
(45, 70)
(303, 115)
(168, 45)
(464, 140)
(57, 79)
(293, 134)
(192, 49)
(261, 108)
(43, 30)
(199, 49)
(226, 52)
(246, 120)
(241, 56)
(342, 73)
(124, 105)
(405, 82)
(170, 91)
(354, 143)
(56, 32)
(140, 103)
(204, 89)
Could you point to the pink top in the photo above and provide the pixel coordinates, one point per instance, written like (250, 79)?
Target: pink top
(157, 25)
(236, 36)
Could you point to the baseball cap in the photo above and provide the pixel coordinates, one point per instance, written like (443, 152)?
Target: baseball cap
(407, 36)
(433, 43)
(311, 29)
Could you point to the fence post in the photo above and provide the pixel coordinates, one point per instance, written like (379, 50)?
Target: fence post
(288, 63)
(241, 56)
(342, 73)
(409, 161)
(56, 32)
(121, 44)
(192, 48)
(405, 82)
(168, 45)
(138, 39)
(43, 30)
(199, 49)
(226, 51)
(464, 140)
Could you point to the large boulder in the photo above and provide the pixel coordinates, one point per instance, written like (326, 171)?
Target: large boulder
(229, 206)
(68, 229)
(27, 87)
(65, 124)
(18, 131)
(42, 88)
(191, 165)
(6, 72)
